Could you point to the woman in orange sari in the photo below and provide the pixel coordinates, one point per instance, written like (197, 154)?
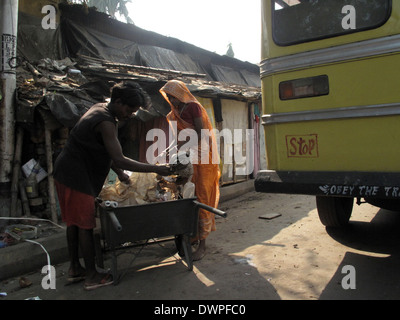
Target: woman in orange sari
(188, 113)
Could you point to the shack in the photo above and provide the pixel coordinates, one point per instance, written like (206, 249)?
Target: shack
(61, 72)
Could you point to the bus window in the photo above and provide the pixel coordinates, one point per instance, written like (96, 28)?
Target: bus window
(296, 21)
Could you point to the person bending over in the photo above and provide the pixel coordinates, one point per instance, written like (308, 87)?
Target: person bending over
(82, 167)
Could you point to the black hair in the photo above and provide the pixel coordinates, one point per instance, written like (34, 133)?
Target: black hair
(130, 93)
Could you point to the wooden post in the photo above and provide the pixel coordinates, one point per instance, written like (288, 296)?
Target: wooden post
(49, 159)
(24, 199)
(16, 172)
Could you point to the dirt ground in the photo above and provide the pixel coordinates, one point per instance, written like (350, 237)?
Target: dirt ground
(289, 257)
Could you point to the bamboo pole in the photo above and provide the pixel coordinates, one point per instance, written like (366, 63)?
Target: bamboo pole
(16, 172)
(51, 188)
(24, 198)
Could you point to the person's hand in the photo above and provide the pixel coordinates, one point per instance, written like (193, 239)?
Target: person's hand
(123, 177)
(164, 170)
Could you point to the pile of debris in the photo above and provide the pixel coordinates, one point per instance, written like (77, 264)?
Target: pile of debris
(57, 87)
(69, 88)
(142, 188)
(150, 187)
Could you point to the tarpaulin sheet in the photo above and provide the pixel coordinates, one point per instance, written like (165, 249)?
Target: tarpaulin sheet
(72, 38)
(90, 42)
(242, 77)
(66, 112)
(162, 58)
(228, 75)
(35, 43)
(252, 79)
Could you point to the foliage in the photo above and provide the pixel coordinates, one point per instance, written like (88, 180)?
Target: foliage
(111, 7)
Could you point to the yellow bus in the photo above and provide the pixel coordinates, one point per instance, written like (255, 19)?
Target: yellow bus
(331, 103)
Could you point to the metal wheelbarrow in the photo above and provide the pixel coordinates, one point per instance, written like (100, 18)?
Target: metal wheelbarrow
(177, 218)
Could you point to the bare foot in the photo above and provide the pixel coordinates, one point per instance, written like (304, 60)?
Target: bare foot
(200, 252)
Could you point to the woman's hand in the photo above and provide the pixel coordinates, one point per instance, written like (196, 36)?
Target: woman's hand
(164, 170)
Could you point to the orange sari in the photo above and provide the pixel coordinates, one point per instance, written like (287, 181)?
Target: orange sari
(206, 175)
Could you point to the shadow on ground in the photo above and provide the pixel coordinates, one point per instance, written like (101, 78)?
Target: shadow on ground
(377, 263)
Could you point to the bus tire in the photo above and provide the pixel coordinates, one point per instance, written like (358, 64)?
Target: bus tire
(334, 211)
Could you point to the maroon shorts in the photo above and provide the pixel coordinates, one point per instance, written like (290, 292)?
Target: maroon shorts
(77, 208)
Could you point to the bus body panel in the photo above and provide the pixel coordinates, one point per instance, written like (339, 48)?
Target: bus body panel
(349, 136)
(344, 143)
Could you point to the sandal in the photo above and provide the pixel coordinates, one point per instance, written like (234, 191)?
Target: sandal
(76, 278)
(105, 281)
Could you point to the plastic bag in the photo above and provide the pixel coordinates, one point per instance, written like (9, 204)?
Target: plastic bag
(141, 189)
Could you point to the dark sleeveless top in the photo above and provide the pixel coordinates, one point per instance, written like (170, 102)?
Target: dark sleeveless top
(84, 163)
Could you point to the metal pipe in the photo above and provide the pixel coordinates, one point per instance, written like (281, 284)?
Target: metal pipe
(210, 209)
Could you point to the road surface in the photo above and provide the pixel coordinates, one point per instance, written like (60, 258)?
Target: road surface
(290, 256)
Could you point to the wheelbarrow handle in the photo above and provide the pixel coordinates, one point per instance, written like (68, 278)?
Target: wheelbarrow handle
(115, 221)
(211, 209)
